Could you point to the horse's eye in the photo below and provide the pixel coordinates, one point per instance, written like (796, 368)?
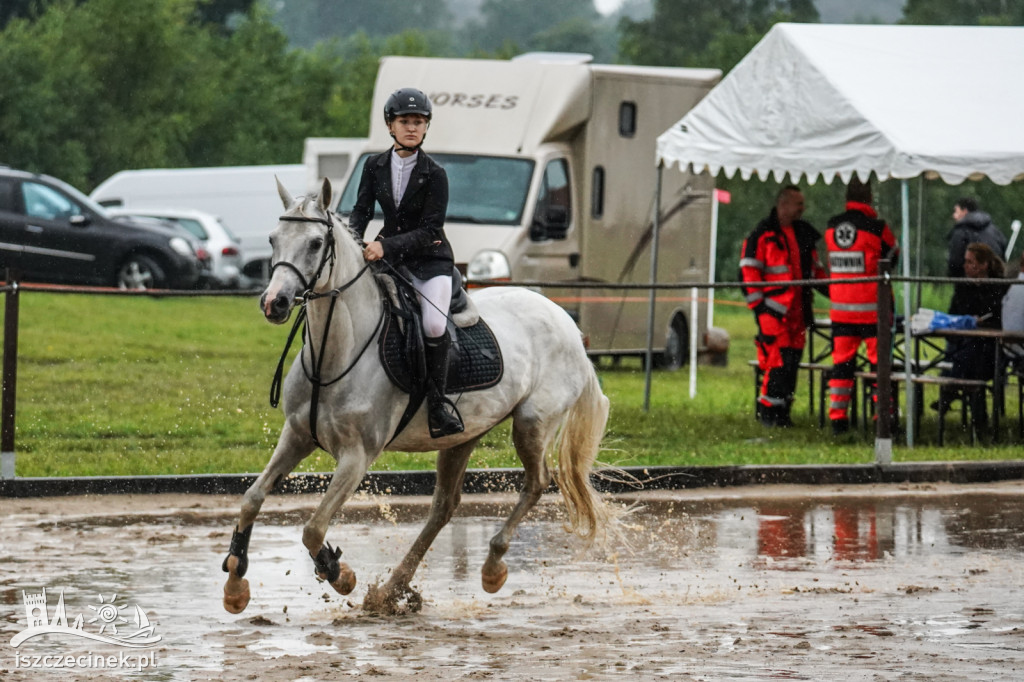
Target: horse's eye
(316, 244)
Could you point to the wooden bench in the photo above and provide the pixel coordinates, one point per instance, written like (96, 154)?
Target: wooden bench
(920, 381)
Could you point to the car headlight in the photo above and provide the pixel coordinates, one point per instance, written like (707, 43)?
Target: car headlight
(488, 265)
(181, 246)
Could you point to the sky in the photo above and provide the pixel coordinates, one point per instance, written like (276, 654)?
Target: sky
(607, 6)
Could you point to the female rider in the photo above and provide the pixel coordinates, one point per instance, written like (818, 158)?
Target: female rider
(412, 191)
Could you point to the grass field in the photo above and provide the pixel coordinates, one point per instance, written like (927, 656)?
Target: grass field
(122, 386)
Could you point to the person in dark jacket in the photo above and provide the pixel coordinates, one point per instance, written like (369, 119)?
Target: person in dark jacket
(971, 225)
(412, 191)
(975, 358)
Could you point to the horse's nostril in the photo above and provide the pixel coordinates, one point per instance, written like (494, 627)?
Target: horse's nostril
(280, 304)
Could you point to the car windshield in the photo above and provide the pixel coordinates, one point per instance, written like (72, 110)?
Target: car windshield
(481, 189)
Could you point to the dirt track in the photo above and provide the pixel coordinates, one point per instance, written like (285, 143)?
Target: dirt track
(866, 582)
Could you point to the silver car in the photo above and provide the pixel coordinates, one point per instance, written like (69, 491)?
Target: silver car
(224, 247)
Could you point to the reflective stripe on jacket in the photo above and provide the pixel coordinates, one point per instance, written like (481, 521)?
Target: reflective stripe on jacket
(773, 253)
(856, 241)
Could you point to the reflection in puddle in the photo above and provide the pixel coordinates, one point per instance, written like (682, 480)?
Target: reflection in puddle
(732, 584)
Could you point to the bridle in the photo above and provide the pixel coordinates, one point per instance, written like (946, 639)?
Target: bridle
(314, 373)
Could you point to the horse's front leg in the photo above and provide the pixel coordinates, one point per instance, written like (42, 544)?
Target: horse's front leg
(347, 475)
(291, 449)
(451, 468)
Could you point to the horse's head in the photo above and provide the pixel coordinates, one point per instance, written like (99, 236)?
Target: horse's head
(303, 252)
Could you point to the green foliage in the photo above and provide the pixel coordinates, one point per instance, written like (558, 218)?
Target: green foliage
(696, 33)
(964, 12)
(307, 22)
(93, 88)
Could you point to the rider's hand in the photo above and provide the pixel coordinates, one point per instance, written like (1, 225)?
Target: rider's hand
(373, 251)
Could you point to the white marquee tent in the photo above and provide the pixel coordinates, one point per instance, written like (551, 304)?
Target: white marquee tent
(819, 101)
(824, 100)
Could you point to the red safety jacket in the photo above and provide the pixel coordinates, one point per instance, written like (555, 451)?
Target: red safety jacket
(856, 241)
(776, 253)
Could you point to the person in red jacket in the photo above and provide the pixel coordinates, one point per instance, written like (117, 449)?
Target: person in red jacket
(856, 240)
(781, 247)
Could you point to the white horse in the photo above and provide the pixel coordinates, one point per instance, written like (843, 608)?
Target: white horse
(549, 388)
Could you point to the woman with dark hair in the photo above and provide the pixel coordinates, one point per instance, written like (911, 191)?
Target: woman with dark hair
(975, 358)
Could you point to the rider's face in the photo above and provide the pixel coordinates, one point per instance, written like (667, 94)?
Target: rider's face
(408, 129)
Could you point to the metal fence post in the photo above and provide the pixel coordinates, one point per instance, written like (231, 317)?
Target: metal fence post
(883, 384)
(8, 393)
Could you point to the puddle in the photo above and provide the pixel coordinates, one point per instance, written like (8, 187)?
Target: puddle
(857, 582)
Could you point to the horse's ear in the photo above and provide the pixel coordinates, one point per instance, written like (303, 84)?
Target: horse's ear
(324, 200)
(283, 193)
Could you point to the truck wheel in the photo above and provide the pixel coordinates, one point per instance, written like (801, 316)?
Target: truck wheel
(677, 345)
(140, 272)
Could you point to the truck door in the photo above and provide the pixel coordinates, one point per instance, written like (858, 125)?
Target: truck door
(553, 254)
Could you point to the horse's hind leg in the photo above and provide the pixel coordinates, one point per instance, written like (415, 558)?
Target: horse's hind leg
(530, 437)
(289, 452)
(451, 469)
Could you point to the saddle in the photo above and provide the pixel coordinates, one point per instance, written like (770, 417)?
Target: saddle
(475, 362)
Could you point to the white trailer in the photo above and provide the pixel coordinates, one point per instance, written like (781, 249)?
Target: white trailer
(244, 197)
(550, 161)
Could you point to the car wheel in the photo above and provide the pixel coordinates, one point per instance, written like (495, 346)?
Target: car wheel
(140, 272)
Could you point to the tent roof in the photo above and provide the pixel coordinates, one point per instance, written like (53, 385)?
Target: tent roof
(827, 100)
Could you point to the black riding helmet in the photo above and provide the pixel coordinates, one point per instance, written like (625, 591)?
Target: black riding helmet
(407, 101)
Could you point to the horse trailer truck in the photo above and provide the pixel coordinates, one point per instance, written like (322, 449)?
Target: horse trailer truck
(551, 170)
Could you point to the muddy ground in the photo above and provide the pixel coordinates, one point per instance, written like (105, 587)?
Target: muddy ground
(854, 583)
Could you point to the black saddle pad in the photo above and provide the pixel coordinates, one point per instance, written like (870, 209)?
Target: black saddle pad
(477, 364)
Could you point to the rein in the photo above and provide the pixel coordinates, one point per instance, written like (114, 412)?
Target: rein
(315, 373)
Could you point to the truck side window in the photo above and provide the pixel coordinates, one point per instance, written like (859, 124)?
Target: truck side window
(627, 119)
(554, 210)
(597, 193)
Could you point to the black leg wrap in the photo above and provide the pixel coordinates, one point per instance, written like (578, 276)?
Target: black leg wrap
(240, 549)
(326, 562)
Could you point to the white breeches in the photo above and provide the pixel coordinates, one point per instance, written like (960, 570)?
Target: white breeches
(435, 295)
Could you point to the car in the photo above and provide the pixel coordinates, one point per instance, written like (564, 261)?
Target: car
(224, 247)
(51, 232)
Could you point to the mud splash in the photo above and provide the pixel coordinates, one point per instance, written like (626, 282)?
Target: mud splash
(862, 582)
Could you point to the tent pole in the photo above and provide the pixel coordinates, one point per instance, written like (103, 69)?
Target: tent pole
(711, 256)
(908, 363)
(648, 365)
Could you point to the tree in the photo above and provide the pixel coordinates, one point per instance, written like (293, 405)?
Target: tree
(697, 33)
(964, 12)
(307, 22)
(529, 23)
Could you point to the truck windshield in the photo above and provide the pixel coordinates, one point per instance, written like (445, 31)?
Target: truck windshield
(481, 189)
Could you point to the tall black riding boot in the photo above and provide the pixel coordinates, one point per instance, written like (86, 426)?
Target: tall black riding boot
(443, 417)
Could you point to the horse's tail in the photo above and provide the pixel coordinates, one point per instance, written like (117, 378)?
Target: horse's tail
(577, 446)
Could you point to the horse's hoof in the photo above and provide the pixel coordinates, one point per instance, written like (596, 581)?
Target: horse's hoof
(236, 590)
(346, 582)
(391, 600)
(494, 576)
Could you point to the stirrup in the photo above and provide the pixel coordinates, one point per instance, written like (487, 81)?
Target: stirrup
(443, 418)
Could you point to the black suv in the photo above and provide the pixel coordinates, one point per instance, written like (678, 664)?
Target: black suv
(51, 232)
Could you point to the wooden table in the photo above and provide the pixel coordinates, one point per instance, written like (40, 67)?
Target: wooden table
(1001, 338)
